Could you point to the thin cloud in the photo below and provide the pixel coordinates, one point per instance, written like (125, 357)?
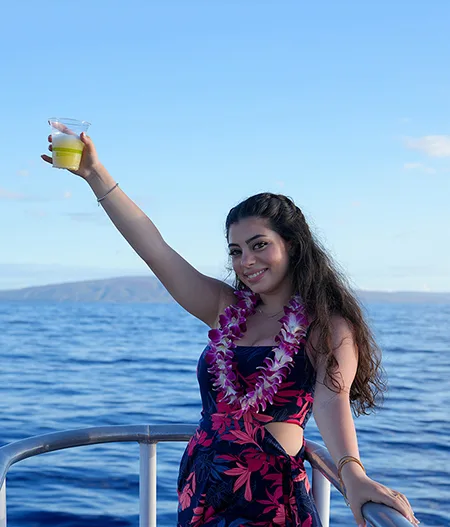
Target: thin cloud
(7, 195)
(37, 213)
(10, 196)
(431, 145)
(419, 167)
(404, 235)
(23, 173)
(87, 217)
(82, 216)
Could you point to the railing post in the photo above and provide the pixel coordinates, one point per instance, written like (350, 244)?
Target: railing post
(321, 489)
(147, 485)
(3, 505)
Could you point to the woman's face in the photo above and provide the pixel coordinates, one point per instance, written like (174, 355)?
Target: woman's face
(259, 256)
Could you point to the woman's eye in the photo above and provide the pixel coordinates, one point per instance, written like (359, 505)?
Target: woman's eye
(259, 245)
(235, 252)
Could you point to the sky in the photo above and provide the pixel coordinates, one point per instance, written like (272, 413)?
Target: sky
(196, 105)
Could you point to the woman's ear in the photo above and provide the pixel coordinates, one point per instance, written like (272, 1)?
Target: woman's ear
(290, 248)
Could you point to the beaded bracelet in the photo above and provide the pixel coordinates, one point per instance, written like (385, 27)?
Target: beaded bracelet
(110, 190)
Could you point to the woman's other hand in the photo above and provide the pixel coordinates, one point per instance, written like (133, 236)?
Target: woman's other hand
(362, 489)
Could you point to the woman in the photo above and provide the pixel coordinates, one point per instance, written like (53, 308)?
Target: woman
(287, 340)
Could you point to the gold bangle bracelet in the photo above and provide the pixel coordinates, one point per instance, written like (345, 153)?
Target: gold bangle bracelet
(343, 461)
(347, 459)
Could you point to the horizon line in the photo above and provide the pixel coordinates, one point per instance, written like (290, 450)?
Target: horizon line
(153, 277)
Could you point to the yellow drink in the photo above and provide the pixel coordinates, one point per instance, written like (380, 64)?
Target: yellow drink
(67, 150)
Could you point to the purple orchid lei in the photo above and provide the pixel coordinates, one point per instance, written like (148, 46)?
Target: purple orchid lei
(232, 326)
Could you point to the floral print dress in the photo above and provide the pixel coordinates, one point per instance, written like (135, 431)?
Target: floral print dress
(234, 472)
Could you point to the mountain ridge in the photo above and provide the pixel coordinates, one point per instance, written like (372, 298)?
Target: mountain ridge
(148, 289)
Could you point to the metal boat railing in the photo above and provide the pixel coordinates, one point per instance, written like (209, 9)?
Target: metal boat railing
(323, 468)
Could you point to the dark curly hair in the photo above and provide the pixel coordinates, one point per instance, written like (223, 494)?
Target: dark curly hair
(325, 292)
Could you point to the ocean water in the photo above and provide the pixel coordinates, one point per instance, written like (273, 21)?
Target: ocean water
(72, 365)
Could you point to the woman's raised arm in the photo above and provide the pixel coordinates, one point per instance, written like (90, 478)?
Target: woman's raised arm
(203, 296)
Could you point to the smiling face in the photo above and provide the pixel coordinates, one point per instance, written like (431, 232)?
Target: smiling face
(259, 256)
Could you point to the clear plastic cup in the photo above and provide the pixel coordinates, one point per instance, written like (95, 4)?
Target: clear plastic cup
(66, 144)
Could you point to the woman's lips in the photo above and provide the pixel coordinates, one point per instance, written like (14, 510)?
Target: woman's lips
(255, 276)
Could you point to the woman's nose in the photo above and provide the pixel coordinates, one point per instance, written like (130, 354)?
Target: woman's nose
(247, 259)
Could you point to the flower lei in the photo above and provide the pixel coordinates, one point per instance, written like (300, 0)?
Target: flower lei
(232, 325)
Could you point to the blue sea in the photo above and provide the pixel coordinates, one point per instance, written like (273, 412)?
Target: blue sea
(73, 365)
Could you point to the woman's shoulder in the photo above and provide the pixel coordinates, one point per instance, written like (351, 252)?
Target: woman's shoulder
(339, 324)
(339, 328)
